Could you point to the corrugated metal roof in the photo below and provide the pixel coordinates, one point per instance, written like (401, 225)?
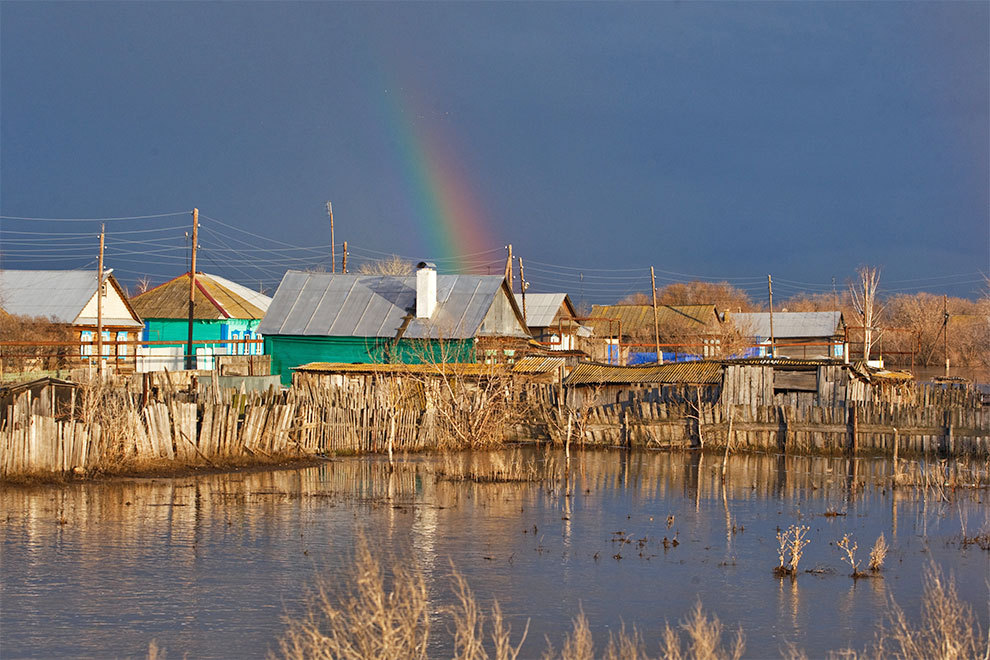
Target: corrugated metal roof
(639, 318)
(217, 298)
(451, 368)
(535, 364)
(542, 308)
(59, 295)
(789, 324)
(702, 372)
(345, 305)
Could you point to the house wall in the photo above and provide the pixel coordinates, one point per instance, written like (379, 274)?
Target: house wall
(501, 319)
(114, 306)
(204, 330)
(288, 351)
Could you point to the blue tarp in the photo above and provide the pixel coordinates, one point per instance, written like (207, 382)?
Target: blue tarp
(651, 358)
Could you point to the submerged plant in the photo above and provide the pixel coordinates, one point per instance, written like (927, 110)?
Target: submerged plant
(849, 547)
(878, 553)
(791, 544)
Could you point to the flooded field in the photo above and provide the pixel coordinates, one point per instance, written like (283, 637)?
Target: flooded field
(210, 565)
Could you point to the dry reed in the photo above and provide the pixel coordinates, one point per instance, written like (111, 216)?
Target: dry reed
(878, 553)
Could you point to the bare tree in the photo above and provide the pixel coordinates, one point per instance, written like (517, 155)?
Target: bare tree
(143, 284)
(864, 295)
(394, 265)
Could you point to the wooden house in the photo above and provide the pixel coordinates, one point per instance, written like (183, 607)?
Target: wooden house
(798, 335)
(223, 310)
(626, 334)
(423, 318)
(552, 320)
(69, 297)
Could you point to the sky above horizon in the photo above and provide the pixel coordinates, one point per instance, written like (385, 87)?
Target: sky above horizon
(718, 141)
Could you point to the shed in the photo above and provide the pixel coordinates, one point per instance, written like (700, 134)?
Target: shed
(799, 335)
(627, 335)
(552, 320)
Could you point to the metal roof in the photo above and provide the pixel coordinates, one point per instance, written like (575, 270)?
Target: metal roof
(789, 324)
(701, 372)
(345, 305)
(59, 295)
(525, 366)
(542, 308)
(536, 364)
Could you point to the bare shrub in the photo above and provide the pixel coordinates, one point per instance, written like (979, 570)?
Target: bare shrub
(394, 265)
(791, 544)
(849, 547)
(34, 329)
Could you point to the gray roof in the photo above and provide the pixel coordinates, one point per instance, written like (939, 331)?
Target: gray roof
(59, 295)
(789, 324)
(339, 305)
(541, 308)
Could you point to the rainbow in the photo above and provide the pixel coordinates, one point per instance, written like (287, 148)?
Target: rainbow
(454, 224)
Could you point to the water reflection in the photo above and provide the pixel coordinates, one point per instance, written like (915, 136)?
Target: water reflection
(208, 565)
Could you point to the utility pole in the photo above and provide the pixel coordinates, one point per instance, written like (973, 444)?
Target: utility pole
(945, 331)
(773, 349)
(190, 351)
(656, 318)
(508, 265)
(522, 288)
(99, 307)
(343, 260)
(333, 252)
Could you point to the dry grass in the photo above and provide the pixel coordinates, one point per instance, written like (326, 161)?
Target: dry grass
(701, 639)
(849, 547)
(878, 553)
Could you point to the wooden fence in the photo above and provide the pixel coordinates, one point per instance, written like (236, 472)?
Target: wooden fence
(868, 428)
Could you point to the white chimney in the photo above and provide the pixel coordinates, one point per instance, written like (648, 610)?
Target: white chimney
(426, 289)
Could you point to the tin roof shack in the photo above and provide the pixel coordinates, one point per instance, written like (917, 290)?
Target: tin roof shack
(68, 297)
(798, 335)
(592, 384)
(424, 318)
(625, 334)
(552, 320)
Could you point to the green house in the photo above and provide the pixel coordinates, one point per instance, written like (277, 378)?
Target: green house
(222, 310)
(426, 317)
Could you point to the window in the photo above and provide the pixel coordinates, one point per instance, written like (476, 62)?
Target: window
(122, 348)
(86, 349)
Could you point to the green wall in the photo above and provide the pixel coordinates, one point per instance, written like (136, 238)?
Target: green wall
(178, 329)
(289, 351)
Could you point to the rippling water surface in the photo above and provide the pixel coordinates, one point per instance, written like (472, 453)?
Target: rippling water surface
(210, 565)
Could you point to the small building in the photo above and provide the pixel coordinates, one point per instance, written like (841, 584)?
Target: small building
(797, 335)
(592, 384)
(423, 318)
(222, 310)
(68, 297)
(626, 334)
(552, 320)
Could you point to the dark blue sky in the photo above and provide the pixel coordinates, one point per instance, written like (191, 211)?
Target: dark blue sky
(714, 140)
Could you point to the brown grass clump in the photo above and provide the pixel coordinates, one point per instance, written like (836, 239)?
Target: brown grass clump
(702, 639)
(878, 553)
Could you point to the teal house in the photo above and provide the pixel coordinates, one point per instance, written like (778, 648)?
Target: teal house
(426, 317)
(223, 310)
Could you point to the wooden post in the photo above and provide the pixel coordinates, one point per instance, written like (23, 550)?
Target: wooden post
(773, 350)
(656, 318)
(333, 253)
(99, 307)
(190, 351)
(854, 429)
(508, 265)
(343, 259)
(945, 332)
(522, 289)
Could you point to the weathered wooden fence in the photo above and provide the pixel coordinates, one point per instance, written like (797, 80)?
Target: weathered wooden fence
(869, 428)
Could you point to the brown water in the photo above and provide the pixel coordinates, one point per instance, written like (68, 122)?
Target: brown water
(209, 565)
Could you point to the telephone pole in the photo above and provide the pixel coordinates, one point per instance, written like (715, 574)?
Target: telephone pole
(190, 351)
(522, 289)
(656, 319)
(945, 331)
(773, 349)
(508, 265)
(333, 253)
(99, 306)
(343, 259)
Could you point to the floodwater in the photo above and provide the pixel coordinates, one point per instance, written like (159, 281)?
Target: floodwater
(208, 566)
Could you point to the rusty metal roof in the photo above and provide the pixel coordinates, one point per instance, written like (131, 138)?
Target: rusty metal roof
(538, 365)
(701, 372)
(639, 318)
